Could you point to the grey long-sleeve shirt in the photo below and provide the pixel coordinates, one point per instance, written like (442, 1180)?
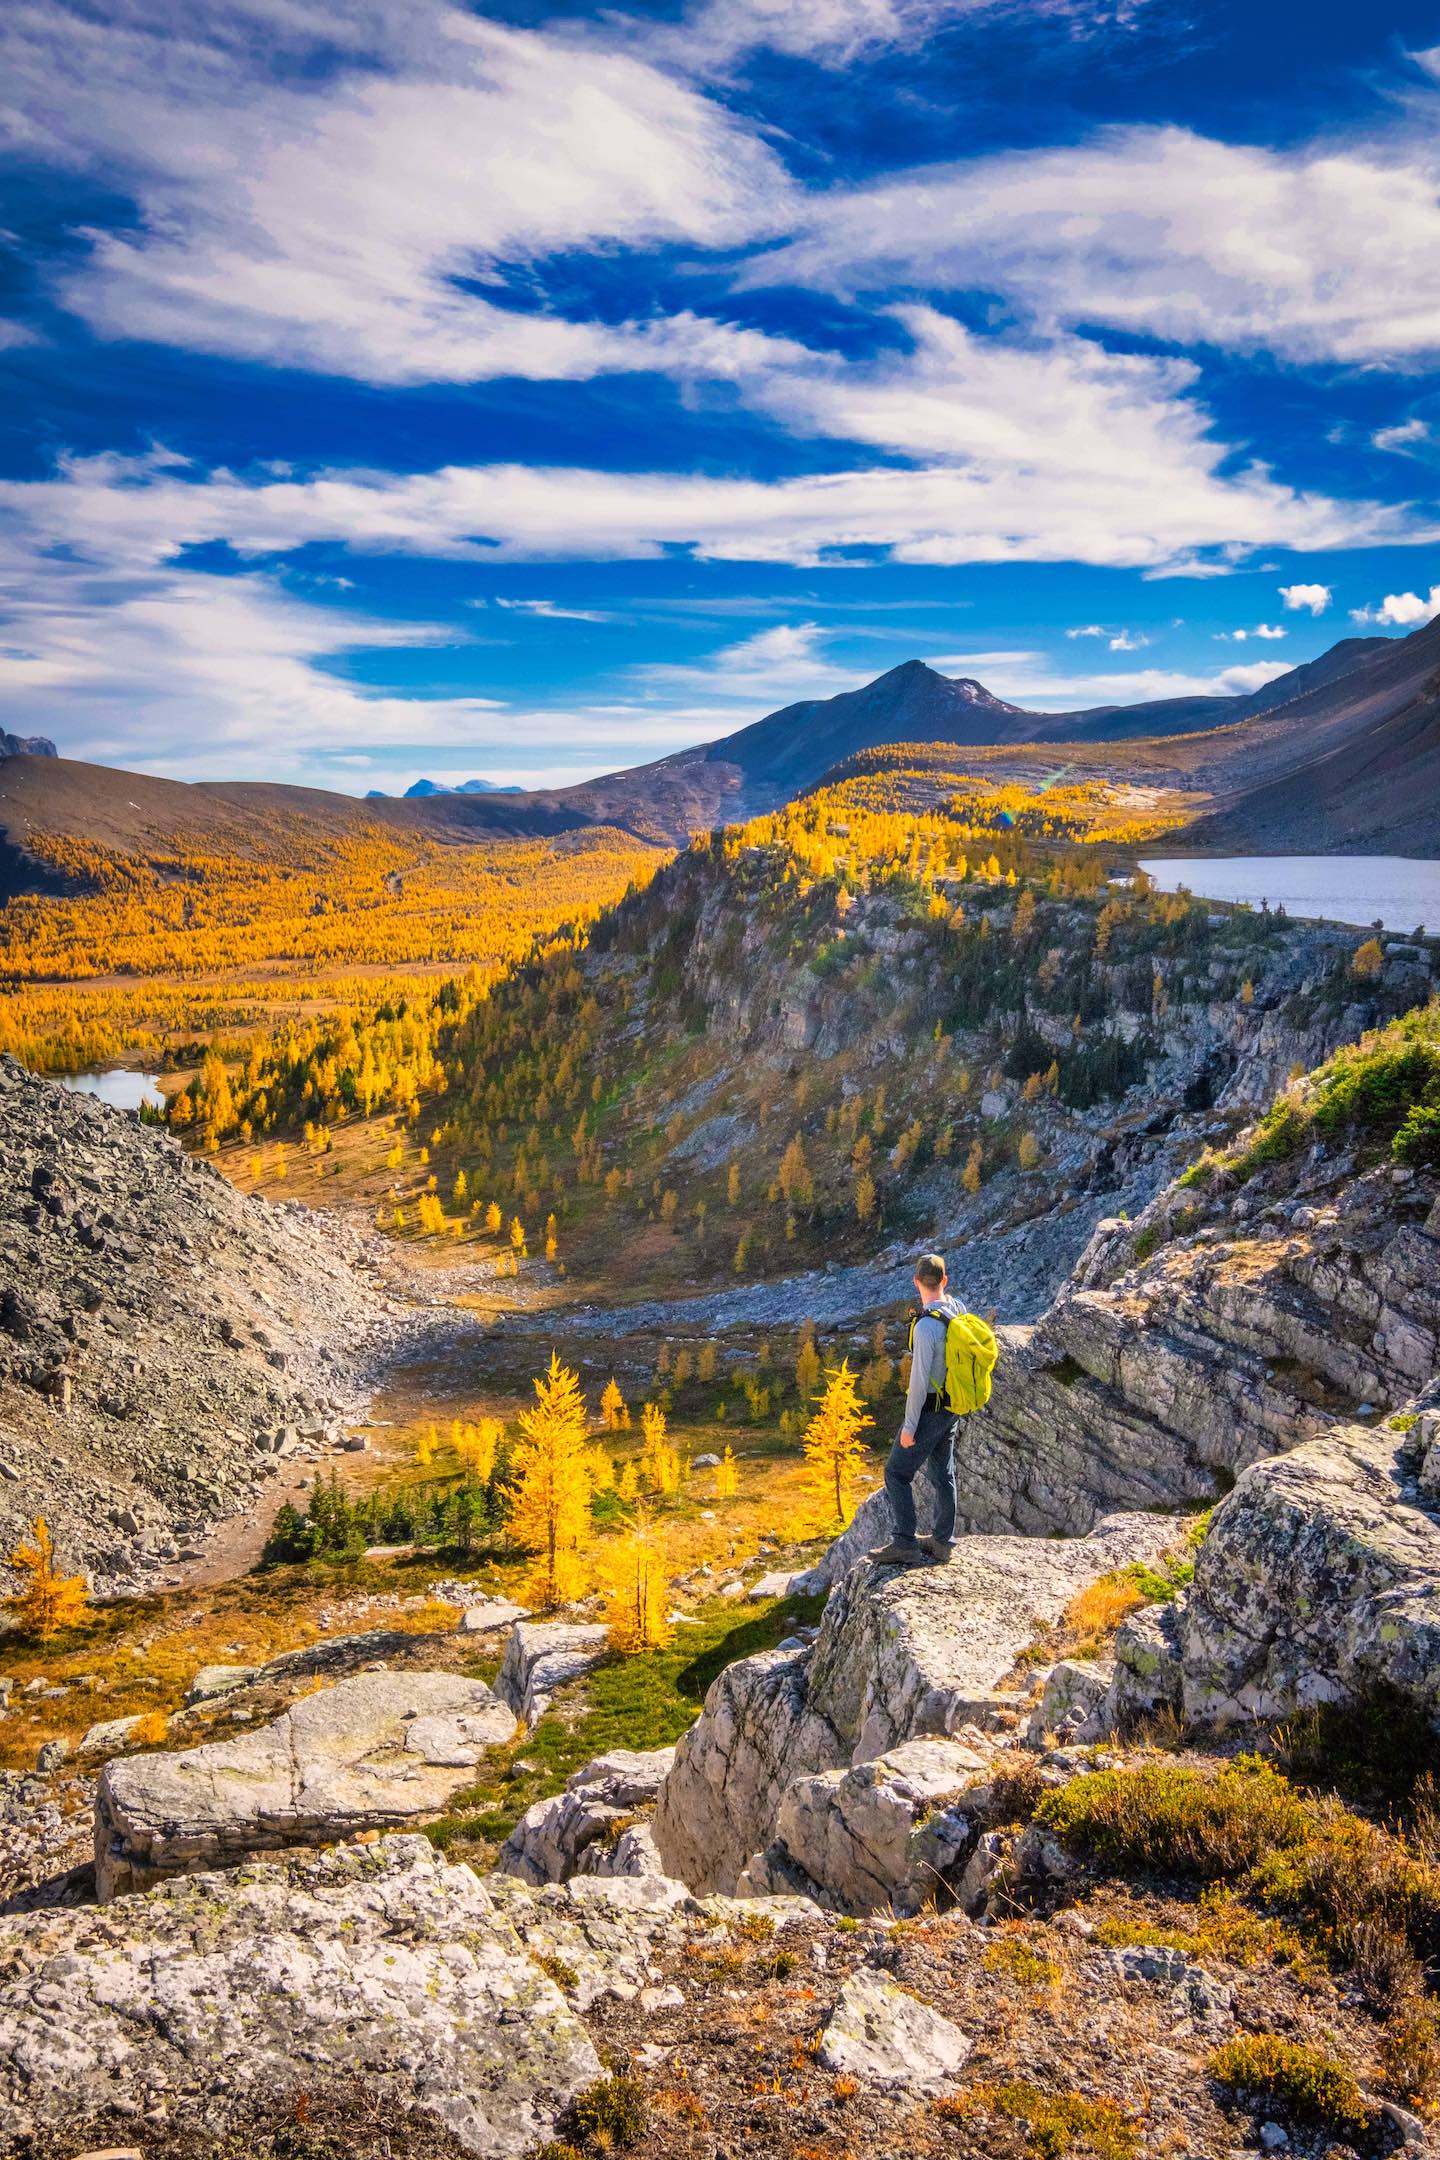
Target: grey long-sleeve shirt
(927, 1356)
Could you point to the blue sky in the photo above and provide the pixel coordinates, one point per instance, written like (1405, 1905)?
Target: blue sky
(397, 388)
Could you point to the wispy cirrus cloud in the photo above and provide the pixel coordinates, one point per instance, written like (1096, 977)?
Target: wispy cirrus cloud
(1032, 680)
(381, 215)
(1328, 252)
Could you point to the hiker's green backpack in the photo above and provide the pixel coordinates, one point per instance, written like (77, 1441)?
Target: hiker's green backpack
(971, 1352)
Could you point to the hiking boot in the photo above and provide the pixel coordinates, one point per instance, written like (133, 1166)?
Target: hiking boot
(939, 1548)
(896, 1555)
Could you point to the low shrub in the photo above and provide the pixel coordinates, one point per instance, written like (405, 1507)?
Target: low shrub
(1174, 1820)
(610, 2115)
(1055, 2124)
(1365, 1900)
(1017, 1959)
(1305, 2082)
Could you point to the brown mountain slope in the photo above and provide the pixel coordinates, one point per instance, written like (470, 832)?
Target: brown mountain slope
(1378, 791)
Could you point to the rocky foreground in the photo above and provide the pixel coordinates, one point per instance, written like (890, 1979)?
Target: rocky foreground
(164, 1340)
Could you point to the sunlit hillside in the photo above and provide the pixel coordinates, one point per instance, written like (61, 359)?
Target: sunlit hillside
(162, 952)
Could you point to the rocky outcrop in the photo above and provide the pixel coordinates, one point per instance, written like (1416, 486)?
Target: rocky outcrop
(1319, 1580)
(372, 1753)
(900, 1654)
(159, 1332)
(1156, 1381)
(925, 1650)
(889, 1835)
(378, 1964)
(542, 1655)
(755, 1734)
(582, 1831)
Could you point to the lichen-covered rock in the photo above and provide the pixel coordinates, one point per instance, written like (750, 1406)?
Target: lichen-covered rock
(1319, 1580)
(888, 1835)
(541, 1655)
(755, 1734)
(923, 1651)
(1149, 1665)
(599, 1936)
(372, 1753)
(378, 1963)
(1073, 1704)
(577, 1832)
(888, 2038)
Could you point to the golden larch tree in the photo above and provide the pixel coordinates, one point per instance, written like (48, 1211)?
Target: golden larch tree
(637, 1587)
(613, 1413)
(659, 1462)
(550, 1508)
(833, 1450)
(46, 1601)
(727, 1476)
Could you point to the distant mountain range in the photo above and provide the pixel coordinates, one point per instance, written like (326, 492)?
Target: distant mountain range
(423, 788)
(26, 746)
(1341, 754)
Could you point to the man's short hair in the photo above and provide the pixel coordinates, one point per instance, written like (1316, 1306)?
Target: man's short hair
(930, 1270)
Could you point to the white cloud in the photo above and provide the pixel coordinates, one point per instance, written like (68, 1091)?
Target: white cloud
(1318, 253)
(1030, 679)
(123, 649)
(835, 33)
(551, 611)
(774, 667)
(1402, 437)
(1315, 597)
(1401, 610)
(1268, 630)
(1093, 629)
(1001, 507)
(1128, 641)
(320, 216)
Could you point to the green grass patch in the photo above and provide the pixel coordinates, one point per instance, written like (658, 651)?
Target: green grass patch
(641, 1701)
(1382, 1093)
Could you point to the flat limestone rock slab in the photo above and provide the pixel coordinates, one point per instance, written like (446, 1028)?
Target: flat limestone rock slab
(378, 1963)
(883, 2036)
(490, 1613)
(375, 1752)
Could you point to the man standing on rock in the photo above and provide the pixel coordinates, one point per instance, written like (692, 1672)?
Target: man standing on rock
(928, 1433)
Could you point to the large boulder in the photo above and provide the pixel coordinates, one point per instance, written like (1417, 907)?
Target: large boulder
(888, 1835)
(580, 1831)
(542, 1655)
(1319, 1580)
(380, 1964)
(754, 1735)
(372, 1753)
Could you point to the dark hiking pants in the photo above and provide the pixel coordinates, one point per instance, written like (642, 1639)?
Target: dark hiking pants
(934, 1450)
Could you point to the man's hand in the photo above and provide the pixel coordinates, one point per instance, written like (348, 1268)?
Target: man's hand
(907, 1439)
